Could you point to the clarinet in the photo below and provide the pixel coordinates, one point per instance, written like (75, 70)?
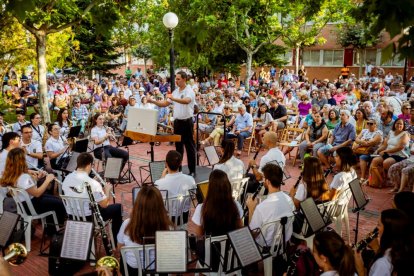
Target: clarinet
(291, 270)
(254, 158)
(98, 217)
(362, 244)
(101, 181)
(298, 181)
(259, 188)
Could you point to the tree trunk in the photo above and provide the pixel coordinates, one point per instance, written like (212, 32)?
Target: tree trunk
(360, 63)
(297, 51)
(41, 59)
(249, 72)
(145, 68)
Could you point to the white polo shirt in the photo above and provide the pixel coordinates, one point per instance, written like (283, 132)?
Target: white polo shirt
(272, 156)
(176, 184)
(3, 158)
(77, 179)
(55, 145)
(234, 168)
(25, 181)
(33, 147)
(38, 133)
(183, 111)
(274, 207)
(99, 132)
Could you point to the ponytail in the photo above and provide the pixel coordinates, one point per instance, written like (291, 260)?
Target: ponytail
(347, 264)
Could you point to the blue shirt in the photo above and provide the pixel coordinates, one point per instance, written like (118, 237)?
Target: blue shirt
(342, 134)
(162, 111)
(243, 121)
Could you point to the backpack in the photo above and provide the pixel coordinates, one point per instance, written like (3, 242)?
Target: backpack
(376, 177)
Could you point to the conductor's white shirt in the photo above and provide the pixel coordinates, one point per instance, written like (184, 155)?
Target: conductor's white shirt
(183, 111)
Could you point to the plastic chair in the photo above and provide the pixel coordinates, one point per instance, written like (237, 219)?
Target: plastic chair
(341, 214)
(77, 207)
(176, 208)
(239, 193)
(231, 258)
(141, 255)
(22, 199)
(278, 246)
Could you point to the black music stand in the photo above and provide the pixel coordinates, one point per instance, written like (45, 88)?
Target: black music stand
(212, 156)
(74, 132)
(8, 223)
(313, 217)
(360, 200)
(81, 145)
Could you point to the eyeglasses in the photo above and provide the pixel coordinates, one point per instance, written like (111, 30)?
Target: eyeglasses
(37, 117)
(246, 102)
(370, 123)
(27, 132)
(76, 102)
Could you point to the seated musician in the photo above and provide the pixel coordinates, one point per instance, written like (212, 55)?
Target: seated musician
(39, 131)
(230, 164)
(74, 185)
(32, 148)
(16, 174)
(277, 204)
(100, 136)
(20, 116)
(57, 147)
(63, 122)
(11, 140)
(174, 181)
(274, 155)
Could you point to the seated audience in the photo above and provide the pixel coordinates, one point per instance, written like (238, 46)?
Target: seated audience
(218, 132)
(263, 121)
(401, 172)
(242, 128)
(315, 136)
(80, 114)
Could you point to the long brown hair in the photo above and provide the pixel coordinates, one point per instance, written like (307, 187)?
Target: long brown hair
(148, 215)
(228, 146)
(219, 212)
(316, 184)
(15, 167)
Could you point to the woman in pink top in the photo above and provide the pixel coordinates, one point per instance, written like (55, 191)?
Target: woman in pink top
(340, 95)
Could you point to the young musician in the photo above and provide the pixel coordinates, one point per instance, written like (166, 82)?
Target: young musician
(11, 140)
(38, 129)
(63, 121)
(32, 148)
(56, 146)
(74, 185)
(16, 174)
(231, 165)
(100, 136)
(20, 116)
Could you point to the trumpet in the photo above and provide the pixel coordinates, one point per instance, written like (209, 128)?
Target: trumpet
(16, 254)
(362, 244)
(101, 181)
(108, 262)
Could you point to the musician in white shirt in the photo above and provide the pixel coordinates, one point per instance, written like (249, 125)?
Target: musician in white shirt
(56, 146)
(32, 148)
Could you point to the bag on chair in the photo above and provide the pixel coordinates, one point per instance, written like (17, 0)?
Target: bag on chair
(376, 177)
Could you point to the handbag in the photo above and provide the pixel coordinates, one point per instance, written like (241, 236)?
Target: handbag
(357, 149)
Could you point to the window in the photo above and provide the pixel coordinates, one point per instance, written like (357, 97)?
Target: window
(333, 57)
(370, 55)
(288, 57)
(394, 62)
(311, 57)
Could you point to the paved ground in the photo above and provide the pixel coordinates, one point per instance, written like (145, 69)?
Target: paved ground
(38, 265)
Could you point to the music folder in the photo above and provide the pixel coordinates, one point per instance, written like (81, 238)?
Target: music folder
(244, 246)
(359, 197)
(312, 216)
(77, 240)
(171, 251)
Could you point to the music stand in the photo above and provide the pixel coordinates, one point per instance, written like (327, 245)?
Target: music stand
(156, 169)
(211, 154)
(81, 145)
(313, 217)
(72, 164)
(360, 200)
(74, 131)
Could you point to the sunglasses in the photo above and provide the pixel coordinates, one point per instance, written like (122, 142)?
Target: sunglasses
(370, 123)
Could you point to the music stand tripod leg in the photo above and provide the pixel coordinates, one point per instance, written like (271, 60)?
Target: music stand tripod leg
(151, 152)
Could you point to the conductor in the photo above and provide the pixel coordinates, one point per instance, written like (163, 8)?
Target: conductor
(182, 99)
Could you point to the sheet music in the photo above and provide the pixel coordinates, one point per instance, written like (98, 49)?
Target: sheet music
(113, 167)
(357, 192)
(156, 169)
(8, 222)
(212, 155)
(171, 251)
(244, 246)
(76, 240)
(311, 212)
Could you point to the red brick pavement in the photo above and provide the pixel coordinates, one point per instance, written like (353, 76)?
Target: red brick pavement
(38, 265)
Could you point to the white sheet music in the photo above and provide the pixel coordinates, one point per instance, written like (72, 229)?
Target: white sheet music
(171, 251)
(244, 245)
(76, 240)
(113, 167)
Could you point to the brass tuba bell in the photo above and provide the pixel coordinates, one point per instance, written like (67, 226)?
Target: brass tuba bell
(16, 254)
(108, 262)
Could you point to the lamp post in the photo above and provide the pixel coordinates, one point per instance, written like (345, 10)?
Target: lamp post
(170, 21)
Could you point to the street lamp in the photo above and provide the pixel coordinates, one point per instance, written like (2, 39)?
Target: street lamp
(170, 21)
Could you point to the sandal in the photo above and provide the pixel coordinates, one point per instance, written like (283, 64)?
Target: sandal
(393, 191)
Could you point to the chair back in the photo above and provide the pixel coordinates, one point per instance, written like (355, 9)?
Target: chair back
(328, 210)
(176, 208)
(76, 207)
(20, 196)
(3, 192)
(156, 168)
(144, 257)
(275, 228)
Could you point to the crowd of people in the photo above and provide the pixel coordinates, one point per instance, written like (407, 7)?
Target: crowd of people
(348, 123)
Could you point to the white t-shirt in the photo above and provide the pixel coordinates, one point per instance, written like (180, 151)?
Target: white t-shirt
(56, 145)
(183, 111)
(33, 147)
(130, 257)
(176, 184)
(274, 207)
(25, 181)
(77, 179)
(301, 192)
(274, 154)
(99, 132)
(234, 168)
(38, 133)
(196, 218)
(341, 181)
(3, 158)
(382, 266)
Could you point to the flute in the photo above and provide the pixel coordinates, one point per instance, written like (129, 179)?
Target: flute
(45, 172)
(110, 133)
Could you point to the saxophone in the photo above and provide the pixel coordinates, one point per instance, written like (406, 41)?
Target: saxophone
(99, 220)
